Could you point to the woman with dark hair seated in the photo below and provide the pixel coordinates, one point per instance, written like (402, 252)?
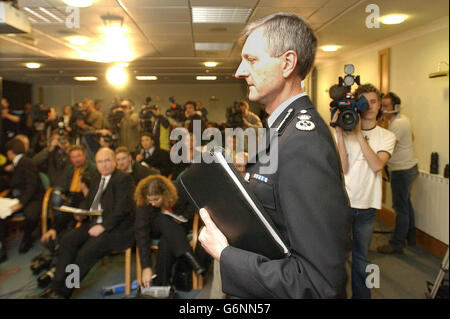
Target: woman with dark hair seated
(155, 195)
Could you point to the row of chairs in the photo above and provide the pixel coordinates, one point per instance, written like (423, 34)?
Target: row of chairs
(47, 215)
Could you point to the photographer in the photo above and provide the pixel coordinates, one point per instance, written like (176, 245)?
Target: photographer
(129, 126)
(192, 114)
(160, 128)
(364, 152)
(54, 159)
(93, 119)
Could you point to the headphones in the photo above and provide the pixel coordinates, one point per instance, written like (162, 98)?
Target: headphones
(395, 100)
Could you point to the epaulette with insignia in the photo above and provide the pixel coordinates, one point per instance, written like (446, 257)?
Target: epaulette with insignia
(304, 122)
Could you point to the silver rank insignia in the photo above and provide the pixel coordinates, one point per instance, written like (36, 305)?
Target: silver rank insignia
(304, 117)
(305, 125)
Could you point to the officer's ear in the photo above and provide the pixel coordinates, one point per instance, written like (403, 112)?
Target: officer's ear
(289, 63)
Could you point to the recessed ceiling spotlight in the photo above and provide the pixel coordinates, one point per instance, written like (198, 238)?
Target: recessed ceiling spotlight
(117, 76)
(33, 65)
(393, 18)
(330, 48)
(210, 64)
(79, 3)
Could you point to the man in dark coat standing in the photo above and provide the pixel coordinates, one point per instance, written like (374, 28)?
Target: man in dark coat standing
(304, 196)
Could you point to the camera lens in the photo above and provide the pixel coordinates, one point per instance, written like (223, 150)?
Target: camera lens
(348, 119)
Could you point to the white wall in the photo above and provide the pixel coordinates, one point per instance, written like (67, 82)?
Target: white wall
(225, 94)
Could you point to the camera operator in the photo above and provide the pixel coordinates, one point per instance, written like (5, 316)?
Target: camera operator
(192, 114)
(403, 170)
(94, 140)
(160, 129)
(129, 125)
(364, 152)
(93, 119)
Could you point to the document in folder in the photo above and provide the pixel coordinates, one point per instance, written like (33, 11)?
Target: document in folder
(77, 211)
(219, 188)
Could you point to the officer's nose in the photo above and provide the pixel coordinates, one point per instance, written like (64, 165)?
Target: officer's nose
(241, 71)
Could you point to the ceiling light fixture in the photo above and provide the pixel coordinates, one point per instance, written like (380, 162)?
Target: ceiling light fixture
(36, 14)
(330, 48)
(206, 77)
(213, 46)
(210, 64)
(51, 14)
(117, 76)
(33, 65)
(79, 3)
(393, 18)
(146, 77)
(85, 78)
(220, 15)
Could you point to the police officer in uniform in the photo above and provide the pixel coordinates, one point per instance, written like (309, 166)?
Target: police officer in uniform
(304, 197)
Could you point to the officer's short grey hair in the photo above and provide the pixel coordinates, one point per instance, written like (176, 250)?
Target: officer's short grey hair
(287, 31)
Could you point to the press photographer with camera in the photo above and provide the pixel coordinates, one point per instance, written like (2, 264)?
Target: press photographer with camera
(129, 125)
(54, 159)
(153, 121)
(364, 151)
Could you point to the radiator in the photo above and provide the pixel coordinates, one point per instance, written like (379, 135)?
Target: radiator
(430, 201)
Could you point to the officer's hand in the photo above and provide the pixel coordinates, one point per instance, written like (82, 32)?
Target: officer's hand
(211, 238)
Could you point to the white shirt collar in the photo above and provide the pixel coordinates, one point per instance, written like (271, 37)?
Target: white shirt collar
(17, 159)
(282, 107)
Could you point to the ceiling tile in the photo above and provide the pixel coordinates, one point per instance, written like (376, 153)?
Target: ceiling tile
(151, 29)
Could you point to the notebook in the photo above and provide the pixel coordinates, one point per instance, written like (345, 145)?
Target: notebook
(219, 188)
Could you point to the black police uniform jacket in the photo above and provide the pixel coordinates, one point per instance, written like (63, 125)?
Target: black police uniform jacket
(308, 204)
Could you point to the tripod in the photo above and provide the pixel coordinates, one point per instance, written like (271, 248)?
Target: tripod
(437, 283)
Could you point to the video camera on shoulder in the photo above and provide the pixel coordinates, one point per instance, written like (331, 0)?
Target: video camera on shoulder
(175, 111)
(348, 106)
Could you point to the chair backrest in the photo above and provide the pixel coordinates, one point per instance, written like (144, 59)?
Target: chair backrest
(45, 180)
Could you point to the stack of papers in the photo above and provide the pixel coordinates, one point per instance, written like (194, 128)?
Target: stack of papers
(5, 206)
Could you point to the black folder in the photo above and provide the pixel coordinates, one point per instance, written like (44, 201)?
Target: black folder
(219, 188)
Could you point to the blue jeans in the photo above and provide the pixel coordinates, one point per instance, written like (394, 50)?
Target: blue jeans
(405, 227)
(363, 221)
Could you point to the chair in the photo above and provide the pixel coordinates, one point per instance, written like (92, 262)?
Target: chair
(197, 280)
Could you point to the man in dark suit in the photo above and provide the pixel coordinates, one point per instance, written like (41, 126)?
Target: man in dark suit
(304, 196)
(152, 156)
(26, 186)
(126, 164)
(112, 193)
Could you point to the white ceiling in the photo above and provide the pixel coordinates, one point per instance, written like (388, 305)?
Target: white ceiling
(162, 36)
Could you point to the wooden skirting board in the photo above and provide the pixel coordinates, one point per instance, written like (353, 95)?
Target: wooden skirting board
(433, 245)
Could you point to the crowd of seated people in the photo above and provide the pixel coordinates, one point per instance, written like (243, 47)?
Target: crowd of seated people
(94, 160)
